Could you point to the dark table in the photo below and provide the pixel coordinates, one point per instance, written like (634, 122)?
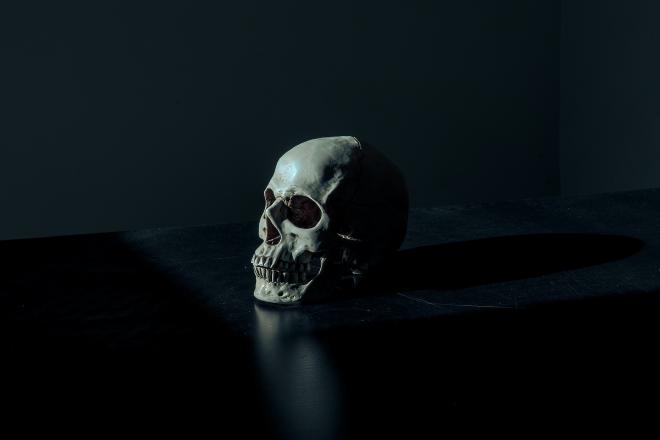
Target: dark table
(543, 310)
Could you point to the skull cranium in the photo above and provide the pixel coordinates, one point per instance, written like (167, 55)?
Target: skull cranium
(334, 209)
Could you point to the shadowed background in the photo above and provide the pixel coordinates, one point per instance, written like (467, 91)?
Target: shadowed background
(123, 115)
(610, 96)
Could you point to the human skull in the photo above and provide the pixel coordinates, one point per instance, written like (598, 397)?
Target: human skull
(335, 208)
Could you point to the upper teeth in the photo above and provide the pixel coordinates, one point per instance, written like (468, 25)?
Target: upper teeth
(259, 260)
(281, 271)
(276, 276)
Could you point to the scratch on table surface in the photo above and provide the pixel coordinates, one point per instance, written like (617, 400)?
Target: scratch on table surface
(438, 305)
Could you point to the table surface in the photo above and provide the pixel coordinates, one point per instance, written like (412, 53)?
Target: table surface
(543, 306)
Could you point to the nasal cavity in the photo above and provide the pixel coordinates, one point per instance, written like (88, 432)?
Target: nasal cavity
(272, 235)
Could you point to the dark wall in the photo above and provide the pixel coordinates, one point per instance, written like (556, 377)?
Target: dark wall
(121, 115)
(610, 95)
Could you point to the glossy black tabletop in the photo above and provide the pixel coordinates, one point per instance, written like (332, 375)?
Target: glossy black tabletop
(538, 309)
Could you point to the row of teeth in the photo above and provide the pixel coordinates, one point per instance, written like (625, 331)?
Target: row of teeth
(282, 266)
(276, 276)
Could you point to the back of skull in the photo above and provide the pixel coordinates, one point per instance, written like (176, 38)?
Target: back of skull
(333, 209)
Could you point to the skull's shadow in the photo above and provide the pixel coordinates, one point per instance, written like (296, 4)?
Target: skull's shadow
(491, 260)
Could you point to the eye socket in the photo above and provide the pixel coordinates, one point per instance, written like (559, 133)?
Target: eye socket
(269, 197)
(303, 212)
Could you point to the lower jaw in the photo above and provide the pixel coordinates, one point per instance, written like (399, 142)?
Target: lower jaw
(279, 293)
(289, 294)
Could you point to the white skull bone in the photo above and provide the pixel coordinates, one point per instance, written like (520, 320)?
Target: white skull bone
(335, 208)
